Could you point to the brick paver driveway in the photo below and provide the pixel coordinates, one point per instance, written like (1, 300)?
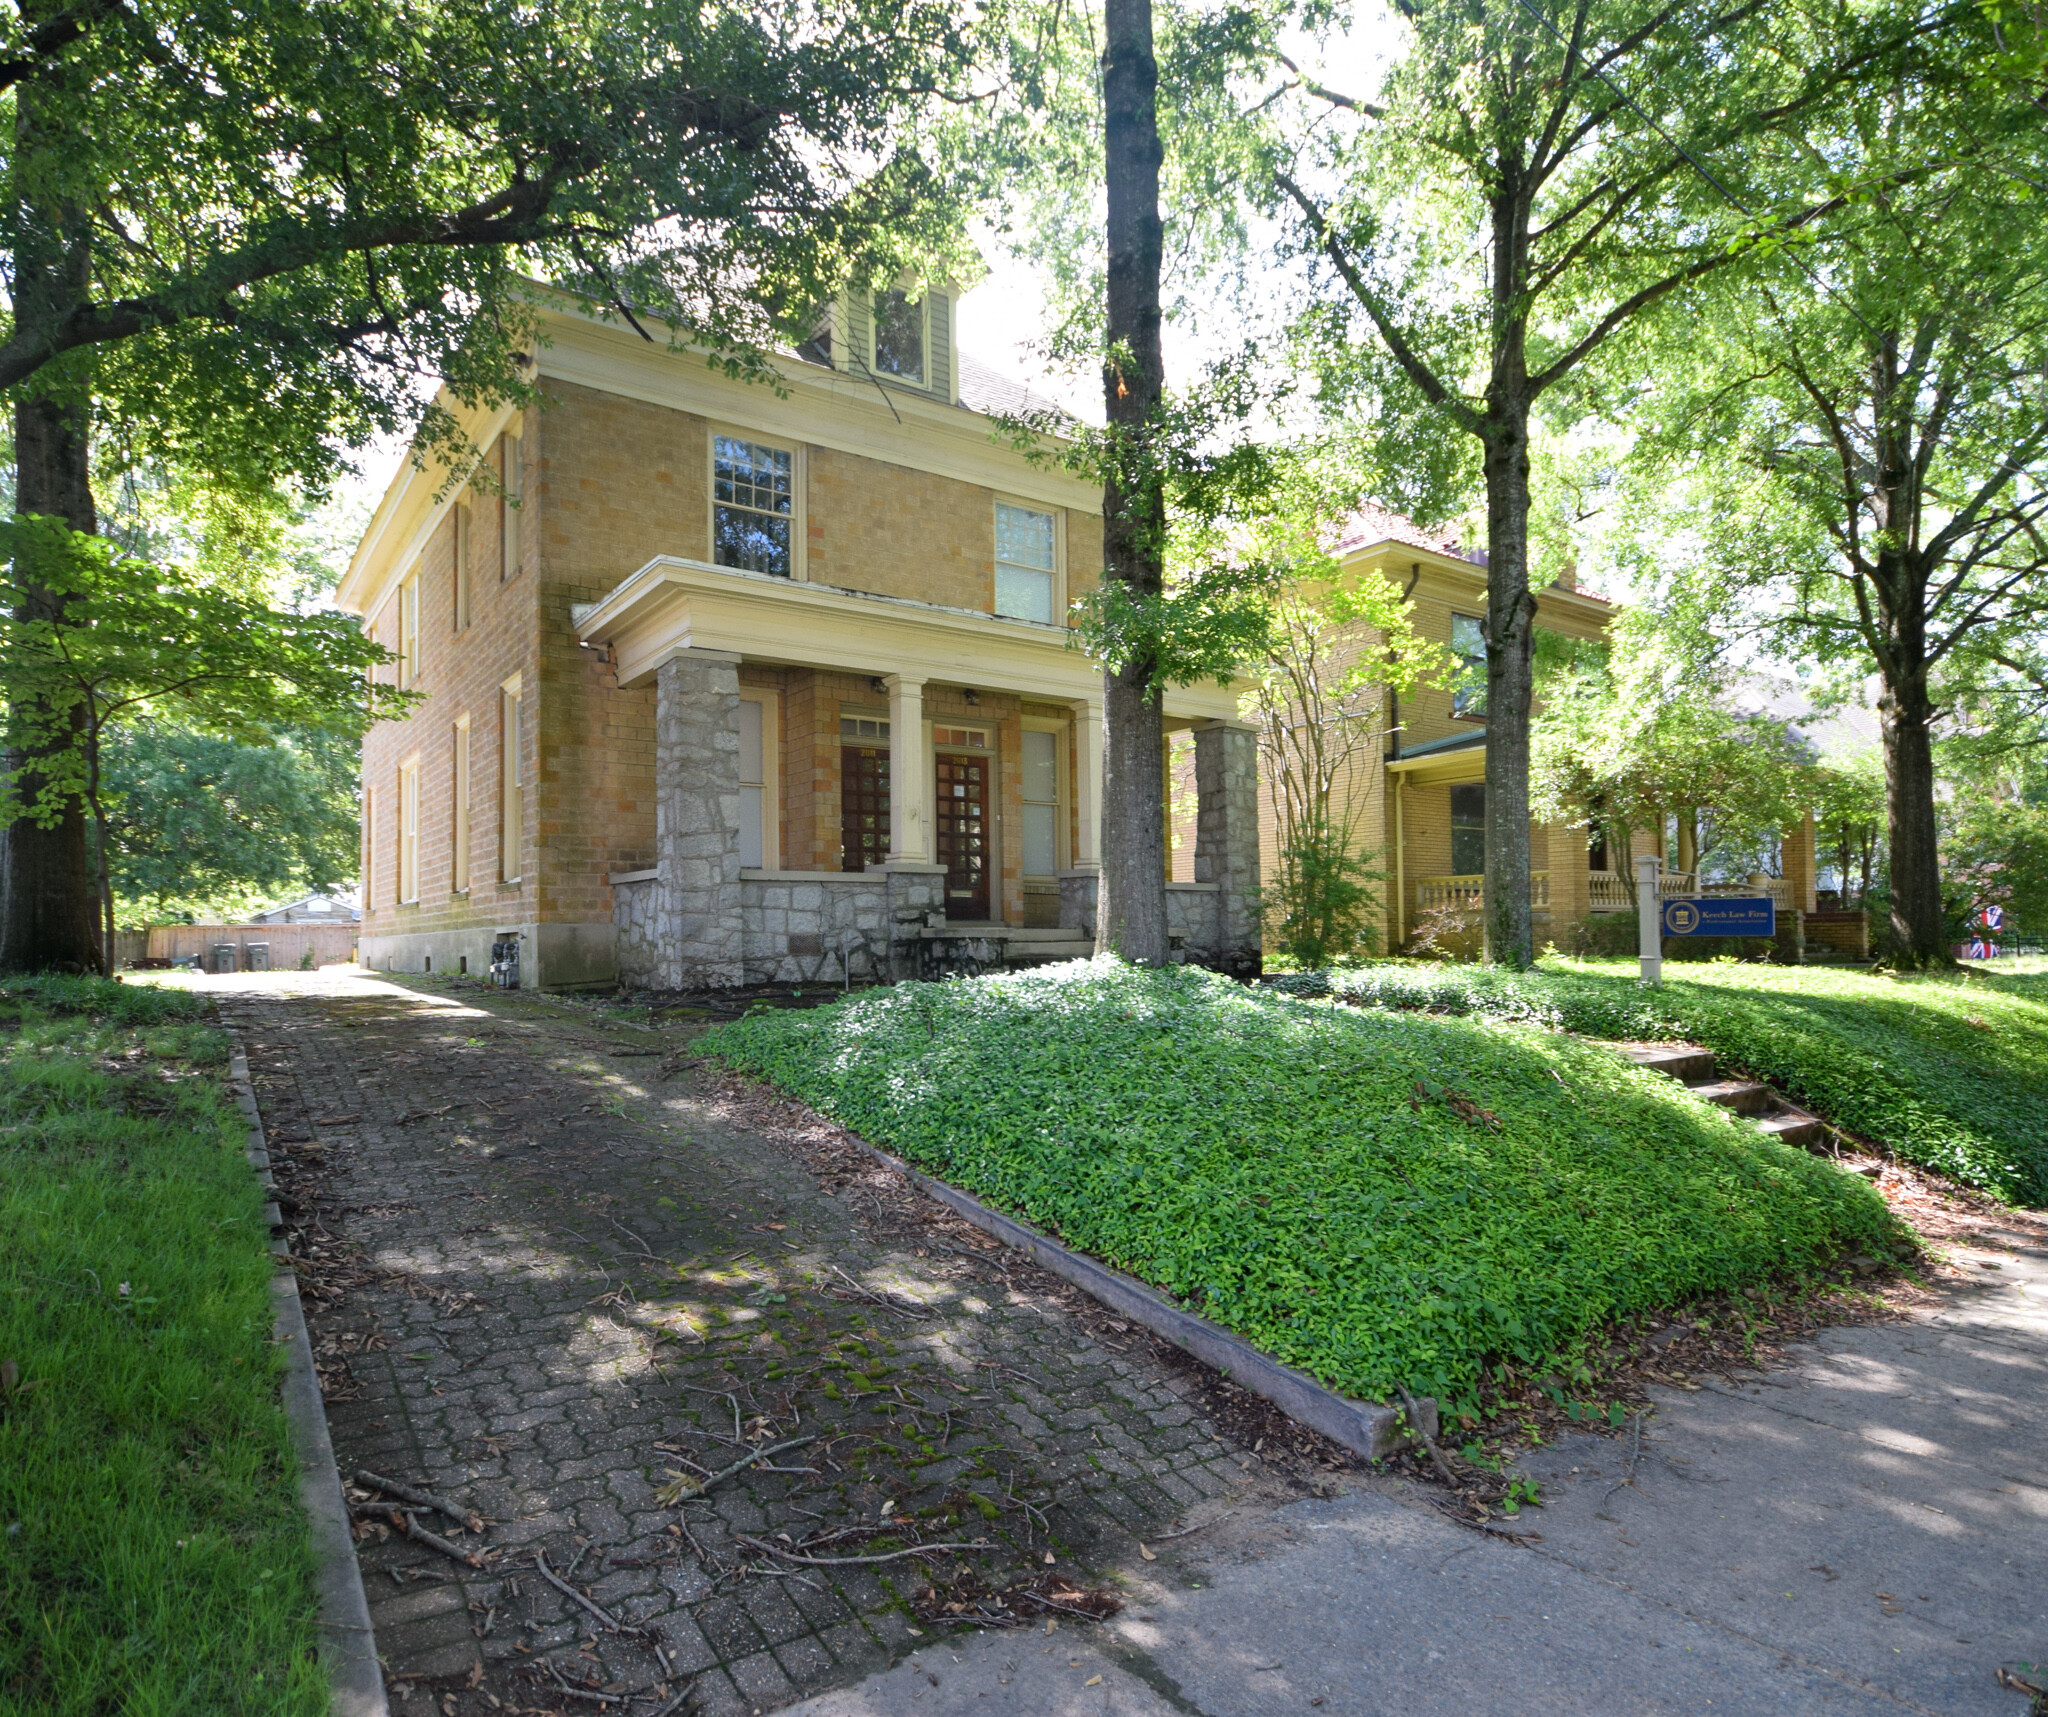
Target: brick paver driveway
(552, 1266)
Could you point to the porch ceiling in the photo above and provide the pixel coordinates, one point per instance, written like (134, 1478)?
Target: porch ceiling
(672, 604)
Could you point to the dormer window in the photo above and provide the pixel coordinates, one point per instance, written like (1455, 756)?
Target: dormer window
(899, 324)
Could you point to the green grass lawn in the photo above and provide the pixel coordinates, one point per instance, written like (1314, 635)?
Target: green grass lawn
(1948, 1072)
(153, 1555)
(1376, 1197)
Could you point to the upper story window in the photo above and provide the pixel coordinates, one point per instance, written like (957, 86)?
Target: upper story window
(1024, 562)
(1468, 645)
(409, 631)
(752, 493)
(899, 323)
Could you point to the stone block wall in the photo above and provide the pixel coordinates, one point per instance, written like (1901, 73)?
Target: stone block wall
(697, 817)
(1227, 843)
(815, 929)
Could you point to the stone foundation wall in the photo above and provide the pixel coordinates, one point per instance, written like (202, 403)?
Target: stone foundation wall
(815, 929)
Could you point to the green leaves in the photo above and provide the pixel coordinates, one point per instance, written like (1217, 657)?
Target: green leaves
(89, 638)
(1259, 1158)
(1898, 1061)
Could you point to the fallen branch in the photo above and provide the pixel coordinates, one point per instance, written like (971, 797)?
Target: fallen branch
(426, 1499)
(849, 1561)
(889, 1300)
(684, 1488)
(540, 1561)
(568, 1692)
(1185, 1530)
(411, 1528)
(1428, 1442)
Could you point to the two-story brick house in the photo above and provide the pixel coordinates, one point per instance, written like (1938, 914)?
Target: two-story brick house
(728, 683)
(1420, 806)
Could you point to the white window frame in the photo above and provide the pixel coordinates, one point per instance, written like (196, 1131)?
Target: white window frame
(458, 867)
(1059, 553)
(1062, 740)
(923, 379)
(1463, 710)
(770, 783)
(511, 781)
(799, 482)
(409, 831)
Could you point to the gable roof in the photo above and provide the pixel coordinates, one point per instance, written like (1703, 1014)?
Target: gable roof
(1372, 523)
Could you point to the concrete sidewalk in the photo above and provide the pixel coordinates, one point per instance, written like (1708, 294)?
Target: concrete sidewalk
(1866, 1531)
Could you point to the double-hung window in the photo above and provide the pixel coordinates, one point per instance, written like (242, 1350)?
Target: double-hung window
(1468, 830)
(512, 782)
(409, 831)
(1468, 645)
(753, 497)
(1025, 562)
(757, 724)
(459, 553)
(409, 631)
(899, 337)
(511, 481)
(459, 856)
(1041, 802)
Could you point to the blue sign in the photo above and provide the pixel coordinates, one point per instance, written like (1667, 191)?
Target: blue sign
(1721, 915)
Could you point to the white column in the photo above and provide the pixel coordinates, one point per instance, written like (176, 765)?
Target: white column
(1649, 918)
(910, 776)
(1087, 783)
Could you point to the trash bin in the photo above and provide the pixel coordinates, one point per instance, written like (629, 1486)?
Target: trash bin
(223, 956)
(258, 956)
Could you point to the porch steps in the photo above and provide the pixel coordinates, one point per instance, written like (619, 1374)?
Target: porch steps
(1773, 1113)
(1047, 947)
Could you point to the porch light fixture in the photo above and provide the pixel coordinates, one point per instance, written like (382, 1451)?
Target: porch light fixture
(972, 696)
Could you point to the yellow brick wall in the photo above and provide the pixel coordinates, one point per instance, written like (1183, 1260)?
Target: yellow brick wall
(609, 483)
(459, 673)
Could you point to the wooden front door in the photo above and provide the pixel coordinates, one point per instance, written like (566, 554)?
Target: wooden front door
(863, 806)
(964, 833)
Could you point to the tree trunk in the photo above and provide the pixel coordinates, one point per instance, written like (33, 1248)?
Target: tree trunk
(1919, 921)
(48, 896)
(1510, 678)
(1131, 911)
(48, 901)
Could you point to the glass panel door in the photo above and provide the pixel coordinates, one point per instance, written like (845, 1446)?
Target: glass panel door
(963, 834)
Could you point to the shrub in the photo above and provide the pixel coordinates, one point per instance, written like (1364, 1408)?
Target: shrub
(1378, 1199)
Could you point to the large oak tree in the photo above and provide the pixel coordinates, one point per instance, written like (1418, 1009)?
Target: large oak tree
(245, 237)
(1487, 231)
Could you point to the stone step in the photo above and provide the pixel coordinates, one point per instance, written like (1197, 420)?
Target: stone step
(1687, 1066)
(1744, 1096)
(1794, 1126)
(1047, 953)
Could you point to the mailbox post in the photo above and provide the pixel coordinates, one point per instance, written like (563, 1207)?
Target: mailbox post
(1649, 919)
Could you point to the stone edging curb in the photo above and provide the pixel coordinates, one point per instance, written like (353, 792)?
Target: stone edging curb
(348, 1645)
(1365, 1427)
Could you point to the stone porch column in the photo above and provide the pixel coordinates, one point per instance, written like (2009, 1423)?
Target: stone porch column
(910, 784)
(1227, 841)
(697, 820)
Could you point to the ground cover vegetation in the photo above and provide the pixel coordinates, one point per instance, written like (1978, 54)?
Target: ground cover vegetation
(153, 1556)
(1379, 1199)
(1951, 1074)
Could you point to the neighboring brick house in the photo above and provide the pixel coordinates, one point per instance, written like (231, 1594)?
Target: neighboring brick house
(726, 683)
(1420, 807)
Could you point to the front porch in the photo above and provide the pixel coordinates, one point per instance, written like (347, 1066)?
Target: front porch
(842, 781)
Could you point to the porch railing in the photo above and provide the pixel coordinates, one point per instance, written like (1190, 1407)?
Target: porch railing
(1463, 892)
(1606, 890)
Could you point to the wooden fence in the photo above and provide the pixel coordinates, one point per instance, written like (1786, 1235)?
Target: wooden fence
(286, 945)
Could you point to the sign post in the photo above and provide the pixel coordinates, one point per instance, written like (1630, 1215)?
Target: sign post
(1649, 924)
